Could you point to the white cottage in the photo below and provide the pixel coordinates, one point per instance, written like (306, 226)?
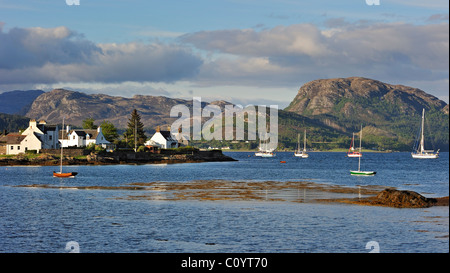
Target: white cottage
(83, 137)
(164, 139)
(36, 137)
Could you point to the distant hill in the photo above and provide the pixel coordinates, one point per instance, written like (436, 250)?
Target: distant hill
(12, 123)
(77, 106)
(18, 102)
(330, 110)
(394, 110)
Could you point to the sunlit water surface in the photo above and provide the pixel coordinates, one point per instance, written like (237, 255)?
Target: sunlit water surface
(44, 220)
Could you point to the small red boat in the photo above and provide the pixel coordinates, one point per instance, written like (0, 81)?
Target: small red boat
(60, 173)
(71, 174)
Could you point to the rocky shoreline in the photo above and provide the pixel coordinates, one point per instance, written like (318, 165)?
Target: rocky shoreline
(398, 199)
(115, 158)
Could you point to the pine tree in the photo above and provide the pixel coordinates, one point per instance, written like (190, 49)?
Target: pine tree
(109, 131)
(135, 126)
(89, 124)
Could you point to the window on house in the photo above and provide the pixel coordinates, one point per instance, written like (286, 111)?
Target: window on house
(12, 147)
(18, 147)
(73, 137)
(49, 137)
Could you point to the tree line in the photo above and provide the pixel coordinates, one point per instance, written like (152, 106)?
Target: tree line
(134, 135)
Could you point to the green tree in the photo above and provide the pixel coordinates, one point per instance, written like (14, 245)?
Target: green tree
(135, 127)
(89, 124)
(109, 131)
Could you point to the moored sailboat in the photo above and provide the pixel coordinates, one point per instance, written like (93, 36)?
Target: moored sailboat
(359, 172)
(264, 149)
(419, 146)
(351, 151)
(60, 173)
(301, 153)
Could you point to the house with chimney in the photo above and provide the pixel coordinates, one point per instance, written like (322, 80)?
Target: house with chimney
(83, 138)
(38, 136)
(163, 139)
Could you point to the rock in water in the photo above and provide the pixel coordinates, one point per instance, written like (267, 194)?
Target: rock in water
(404, 199)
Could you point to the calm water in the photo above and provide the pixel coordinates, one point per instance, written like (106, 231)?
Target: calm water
(44, 220)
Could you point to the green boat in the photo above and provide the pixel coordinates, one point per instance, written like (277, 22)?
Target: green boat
(362, 172)
(359, 172)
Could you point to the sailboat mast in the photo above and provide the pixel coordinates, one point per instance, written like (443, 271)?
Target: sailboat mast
(62, 137)
(352, 144)
(422, 144)
(304, 144)
(360, 141)
(135, 137)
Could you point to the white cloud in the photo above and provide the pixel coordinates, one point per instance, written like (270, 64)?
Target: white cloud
(282, 57)
(289, 56)
(38, 55)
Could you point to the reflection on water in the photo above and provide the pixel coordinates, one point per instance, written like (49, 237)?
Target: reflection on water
(35, 219)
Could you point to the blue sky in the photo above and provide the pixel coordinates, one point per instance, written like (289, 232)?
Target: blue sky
(241, 51)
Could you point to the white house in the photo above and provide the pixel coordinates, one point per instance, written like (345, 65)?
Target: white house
(164, 139)
(11, 144)
(83, 137)
(47, 134)
(36, 137)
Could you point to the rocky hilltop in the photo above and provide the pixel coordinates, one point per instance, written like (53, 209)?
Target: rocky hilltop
(341, 95)
(77, 106)
(391, 111)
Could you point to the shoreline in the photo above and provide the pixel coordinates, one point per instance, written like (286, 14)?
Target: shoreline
(116, 158)
(329, 151)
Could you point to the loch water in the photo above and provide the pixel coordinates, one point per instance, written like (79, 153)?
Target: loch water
(37, 219)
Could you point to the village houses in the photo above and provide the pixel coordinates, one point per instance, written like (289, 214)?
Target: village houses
(40, 135)
(36, 137)
(84, 137)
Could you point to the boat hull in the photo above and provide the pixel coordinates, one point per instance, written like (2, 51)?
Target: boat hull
(301, 155)
(424, 156)
(354, 155)
(64, 175)
(362, 172)
(264, 154)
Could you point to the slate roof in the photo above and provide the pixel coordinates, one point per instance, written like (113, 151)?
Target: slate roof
(93, 133)
(167, 135)
(12, 138)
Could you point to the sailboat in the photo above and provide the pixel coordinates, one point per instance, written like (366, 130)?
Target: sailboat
(298, 153)
(419, 147)
(351, 152)
(359, 172)
(264, 150)
(60, 173)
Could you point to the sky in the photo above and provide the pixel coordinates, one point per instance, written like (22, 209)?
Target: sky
(245, 52)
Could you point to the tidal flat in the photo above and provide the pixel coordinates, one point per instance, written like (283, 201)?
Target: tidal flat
(214, 190)
(288, 191)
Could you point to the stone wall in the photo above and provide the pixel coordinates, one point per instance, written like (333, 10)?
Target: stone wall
(2, 149)
(67, 152)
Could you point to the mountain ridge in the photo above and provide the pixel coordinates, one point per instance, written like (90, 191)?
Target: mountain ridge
(395, 110)
(330, 109)
(320, 95)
